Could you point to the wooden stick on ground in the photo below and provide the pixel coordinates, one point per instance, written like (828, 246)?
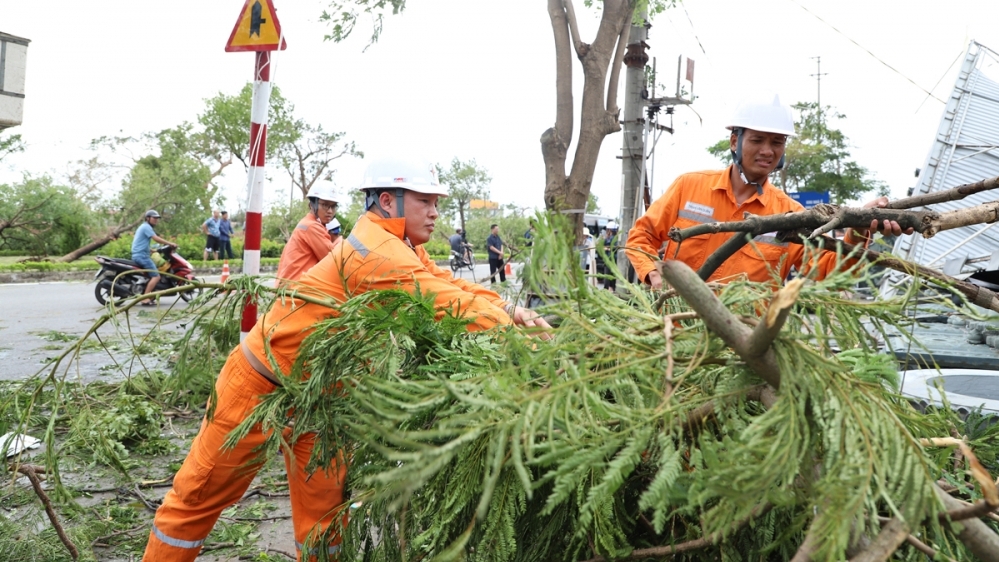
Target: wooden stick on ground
(36, 483)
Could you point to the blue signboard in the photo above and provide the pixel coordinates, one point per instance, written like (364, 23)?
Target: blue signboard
(809, 199)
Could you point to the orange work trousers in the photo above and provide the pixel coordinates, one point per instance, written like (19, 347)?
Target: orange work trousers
(213, 478)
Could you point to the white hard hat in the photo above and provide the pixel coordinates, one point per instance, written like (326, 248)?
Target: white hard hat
(411, 174)
(333, 224)
(612, 225)
(325, 190)
(766, 115)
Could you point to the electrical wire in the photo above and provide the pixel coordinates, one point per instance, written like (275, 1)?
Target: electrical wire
(868, 51)
(696, 38)
(946, 72)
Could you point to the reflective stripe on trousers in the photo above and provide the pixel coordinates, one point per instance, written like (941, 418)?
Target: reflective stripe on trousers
(214, 477)
(315, 551)
(179, 543)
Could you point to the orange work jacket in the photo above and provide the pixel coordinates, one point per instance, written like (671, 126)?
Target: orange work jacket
(309, 243)
(373, 257)
(707, 197)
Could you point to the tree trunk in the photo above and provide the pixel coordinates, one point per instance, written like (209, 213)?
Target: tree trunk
(112, 234)
(569, 193)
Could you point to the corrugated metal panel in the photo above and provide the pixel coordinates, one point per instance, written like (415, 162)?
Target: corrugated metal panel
(966, 150)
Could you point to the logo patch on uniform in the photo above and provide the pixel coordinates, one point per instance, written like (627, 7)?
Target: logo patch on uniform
(699, 209)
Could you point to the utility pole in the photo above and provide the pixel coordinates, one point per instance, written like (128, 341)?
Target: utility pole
(818, 78)
(633, 149)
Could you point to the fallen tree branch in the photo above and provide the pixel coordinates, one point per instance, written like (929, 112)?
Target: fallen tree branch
(810, 219)
(36, 483)
(807, 548)
(721, 321)
(696, 544)
(762, 393)
(980, 508)
(980, 296)
(953, 194)
(101, 541)
(892, 535)
(976, 535)
(660, 551)
(927, 223)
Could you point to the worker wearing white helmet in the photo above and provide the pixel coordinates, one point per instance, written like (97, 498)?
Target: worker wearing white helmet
(760, 129)
(334, 229)
(310, 241)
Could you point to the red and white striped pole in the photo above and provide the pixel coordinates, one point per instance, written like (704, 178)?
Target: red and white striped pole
(255, 179)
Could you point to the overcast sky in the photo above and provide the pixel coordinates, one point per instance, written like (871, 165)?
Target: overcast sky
(475, 78)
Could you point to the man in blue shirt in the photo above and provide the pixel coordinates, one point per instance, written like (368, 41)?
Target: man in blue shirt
(140, 250)
(225, 233)
(211, 228)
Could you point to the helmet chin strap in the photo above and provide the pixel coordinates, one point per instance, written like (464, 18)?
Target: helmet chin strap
(371, 200)
(737, 157)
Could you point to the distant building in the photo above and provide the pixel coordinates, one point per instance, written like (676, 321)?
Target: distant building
(492, 208)
(963, 151)
(13, 64)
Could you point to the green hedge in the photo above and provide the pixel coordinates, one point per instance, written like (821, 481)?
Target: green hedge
(191, 246)
(90, 264)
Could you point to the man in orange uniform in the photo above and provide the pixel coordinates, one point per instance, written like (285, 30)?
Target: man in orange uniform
(310, 241)
(759, 134)
(384, 251)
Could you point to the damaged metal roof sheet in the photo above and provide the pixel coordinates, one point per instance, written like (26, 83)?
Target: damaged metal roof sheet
(965, 150)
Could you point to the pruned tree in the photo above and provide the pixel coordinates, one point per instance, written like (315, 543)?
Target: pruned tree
(310, 156)
(226, 125)
(465, 181)
(601, 61)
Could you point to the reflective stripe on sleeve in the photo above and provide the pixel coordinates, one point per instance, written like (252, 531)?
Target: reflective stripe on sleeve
(361, 248)
(176, 542)
(772, 240)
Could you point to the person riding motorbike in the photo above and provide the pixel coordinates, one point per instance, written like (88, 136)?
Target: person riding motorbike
(141, 253)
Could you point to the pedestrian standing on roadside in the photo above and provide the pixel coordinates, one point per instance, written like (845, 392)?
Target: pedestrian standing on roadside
(211, 228)
(495, 245)
(225, 233)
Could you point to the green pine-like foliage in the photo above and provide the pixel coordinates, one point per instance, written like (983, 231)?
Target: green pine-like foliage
(501, 446)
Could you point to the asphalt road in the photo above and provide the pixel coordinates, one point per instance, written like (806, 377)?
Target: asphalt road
(39, 320)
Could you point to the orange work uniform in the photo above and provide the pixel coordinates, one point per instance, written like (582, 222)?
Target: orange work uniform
(309, 243)
(212, 478)
(707, 197)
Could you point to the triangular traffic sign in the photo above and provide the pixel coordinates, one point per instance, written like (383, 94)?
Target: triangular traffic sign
(257, 29)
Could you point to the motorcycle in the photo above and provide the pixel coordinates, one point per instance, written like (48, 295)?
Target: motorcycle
(120, 279)
(465, 259)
